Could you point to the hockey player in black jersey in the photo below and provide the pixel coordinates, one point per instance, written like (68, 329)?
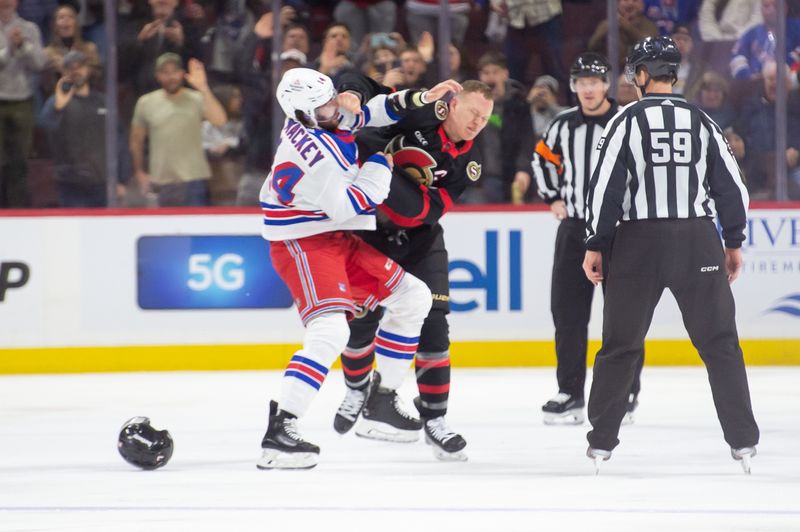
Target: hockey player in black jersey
(433, 166)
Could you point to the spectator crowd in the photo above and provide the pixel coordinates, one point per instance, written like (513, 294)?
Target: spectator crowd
(194, 90)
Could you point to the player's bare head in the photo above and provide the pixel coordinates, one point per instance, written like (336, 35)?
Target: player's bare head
(470, 110)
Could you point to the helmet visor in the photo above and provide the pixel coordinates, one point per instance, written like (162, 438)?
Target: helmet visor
(327, 111)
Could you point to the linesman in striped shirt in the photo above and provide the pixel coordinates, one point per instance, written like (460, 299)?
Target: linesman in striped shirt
(665, 171)
(562, 164)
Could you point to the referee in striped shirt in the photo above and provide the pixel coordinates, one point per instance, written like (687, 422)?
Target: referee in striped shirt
(665, 170)
(562, 164)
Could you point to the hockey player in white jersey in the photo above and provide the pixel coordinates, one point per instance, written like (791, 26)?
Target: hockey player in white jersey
(314, 196)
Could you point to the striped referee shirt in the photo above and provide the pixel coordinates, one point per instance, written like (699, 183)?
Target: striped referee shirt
(565, 158)
(662, 158)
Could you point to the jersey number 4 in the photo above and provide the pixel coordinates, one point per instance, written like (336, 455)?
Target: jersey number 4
(671, 147)
(284, 178)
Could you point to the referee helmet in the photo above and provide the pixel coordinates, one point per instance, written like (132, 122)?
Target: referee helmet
(659, 55)
(589, 64)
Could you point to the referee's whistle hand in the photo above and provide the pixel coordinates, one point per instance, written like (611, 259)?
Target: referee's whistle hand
(733, 263)
(593, 266)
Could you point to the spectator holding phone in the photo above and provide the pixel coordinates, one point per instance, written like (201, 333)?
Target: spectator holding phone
(543, 100)
(75, 118)
(385, 67)
(366, 16)
(168, 31)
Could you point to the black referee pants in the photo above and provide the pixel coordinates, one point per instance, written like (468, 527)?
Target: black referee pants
(571, 305)
(685, 256)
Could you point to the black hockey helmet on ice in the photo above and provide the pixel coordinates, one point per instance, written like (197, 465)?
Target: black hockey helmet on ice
(142, 445)
(659, 55)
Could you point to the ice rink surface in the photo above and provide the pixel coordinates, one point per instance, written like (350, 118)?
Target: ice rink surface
(60, 471)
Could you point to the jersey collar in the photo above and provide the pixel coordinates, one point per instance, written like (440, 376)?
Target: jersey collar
(664, 96)
(452, 148)
(581, 118)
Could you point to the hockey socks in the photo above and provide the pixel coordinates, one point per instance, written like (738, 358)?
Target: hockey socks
(326, 337)
(357, 365)
(433, 381)
(394, 353)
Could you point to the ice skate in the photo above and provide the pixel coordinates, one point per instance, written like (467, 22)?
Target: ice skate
(563, 409)
(349, 410)
(282, 446)
(744, 455)
(630, 407)
(598, 456)
(447, 445)
(384, 418)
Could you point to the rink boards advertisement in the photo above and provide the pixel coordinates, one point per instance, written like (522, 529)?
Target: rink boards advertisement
(185, 290)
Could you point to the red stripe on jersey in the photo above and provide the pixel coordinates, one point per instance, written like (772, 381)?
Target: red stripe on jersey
(288, 213)
(446, 200)
(407, 221)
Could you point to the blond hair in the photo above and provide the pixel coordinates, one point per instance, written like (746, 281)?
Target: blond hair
(473, 85)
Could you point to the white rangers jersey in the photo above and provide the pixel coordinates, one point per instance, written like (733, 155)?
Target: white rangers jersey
(316, 186)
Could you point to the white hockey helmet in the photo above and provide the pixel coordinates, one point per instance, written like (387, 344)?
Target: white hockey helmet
(304, 90)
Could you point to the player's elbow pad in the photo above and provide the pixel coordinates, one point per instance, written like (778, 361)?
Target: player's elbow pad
(374, 178)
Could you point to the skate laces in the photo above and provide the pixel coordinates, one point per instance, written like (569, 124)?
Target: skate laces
(561, 398)
(439, 429)
(398, 407)
(290, 428)
(352, 403)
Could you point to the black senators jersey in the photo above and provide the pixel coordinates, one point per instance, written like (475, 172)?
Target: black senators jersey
(430, 170)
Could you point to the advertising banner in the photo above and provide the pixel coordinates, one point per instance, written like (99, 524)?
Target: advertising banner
(206, 280)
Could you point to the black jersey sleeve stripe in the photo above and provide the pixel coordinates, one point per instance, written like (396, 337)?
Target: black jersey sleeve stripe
(694, 180)
(727, 188)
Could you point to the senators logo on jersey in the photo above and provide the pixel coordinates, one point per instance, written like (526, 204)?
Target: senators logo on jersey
(473, 171)
(415, 162)
(441, 109)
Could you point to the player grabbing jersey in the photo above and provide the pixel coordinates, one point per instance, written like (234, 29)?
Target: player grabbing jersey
(315, 193)
(434, 165)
